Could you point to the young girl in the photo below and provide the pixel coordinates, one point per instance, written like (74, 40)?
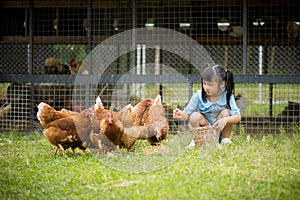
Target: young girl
(214, 105)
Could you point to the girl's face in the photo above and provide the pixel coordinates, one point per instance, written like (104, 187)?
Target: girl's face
(213, 88)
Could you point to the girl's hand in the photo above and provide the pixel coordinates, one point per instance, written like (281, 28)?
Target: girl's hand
(177, 113)
(221, 123)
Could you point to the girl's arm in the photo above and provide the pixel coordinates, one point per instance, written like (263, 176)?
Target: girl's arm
(180, 114)
(233, 119)
(191, 107)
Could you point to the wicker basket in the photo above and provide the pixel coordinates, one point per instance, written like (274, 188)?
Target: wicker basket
(204, 136)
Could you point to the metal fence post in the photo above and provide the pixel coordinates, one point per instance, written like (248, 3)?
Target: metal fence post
(244, 36)
(30, 64)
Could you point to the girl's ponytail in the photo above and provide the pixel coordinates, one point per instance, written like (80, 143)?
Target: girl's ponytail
(229, 88)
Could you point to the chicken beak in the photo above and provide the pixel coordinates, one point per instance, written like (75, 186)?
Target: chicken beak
(156, 133)
(109, 117)
(157, 137)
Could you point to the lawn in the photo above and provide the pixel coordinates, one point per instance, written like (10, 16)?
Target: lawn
(254, 167)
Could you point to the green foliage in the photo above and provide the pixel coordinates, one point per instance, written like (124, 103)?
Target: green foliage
(78, 52)
(3, 87)
(252, 167)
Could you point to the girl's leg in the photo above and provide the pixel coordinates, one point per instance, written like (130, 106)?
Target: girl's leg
(197, 120)
(226, 132)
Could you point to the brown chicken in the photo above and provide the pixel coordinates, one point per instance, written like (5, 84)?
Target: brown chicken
(108, 129)
(112, 128)
(126, 116)
(47, 114)
(110, 133)
(100, 114)
(67, 131)
(141, 111)
(156, 123)
(132, 131)
(100, 111)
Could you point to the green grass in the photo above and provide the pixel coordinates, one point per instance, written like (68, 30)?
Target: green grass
(265, 167)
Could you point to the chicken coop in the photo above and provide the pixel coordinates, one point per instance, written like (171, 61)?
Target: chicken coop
(66, 53)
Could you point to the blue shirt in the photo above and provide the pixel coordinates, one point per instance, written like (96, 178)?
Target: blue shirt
(211, 110)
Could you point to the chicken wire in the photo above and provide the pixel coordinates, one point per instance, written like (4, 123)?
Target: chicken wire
(73, 29)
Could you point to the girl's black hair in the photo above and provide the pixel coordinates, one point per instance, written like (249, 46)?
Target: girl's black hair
(215, 70)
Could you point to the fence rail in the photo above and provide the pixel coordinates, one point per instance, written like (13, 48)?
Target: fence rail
(28, 78)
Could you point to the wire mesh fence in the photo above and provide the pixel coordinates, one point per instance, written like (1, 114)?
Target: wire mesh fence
(44, 46)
